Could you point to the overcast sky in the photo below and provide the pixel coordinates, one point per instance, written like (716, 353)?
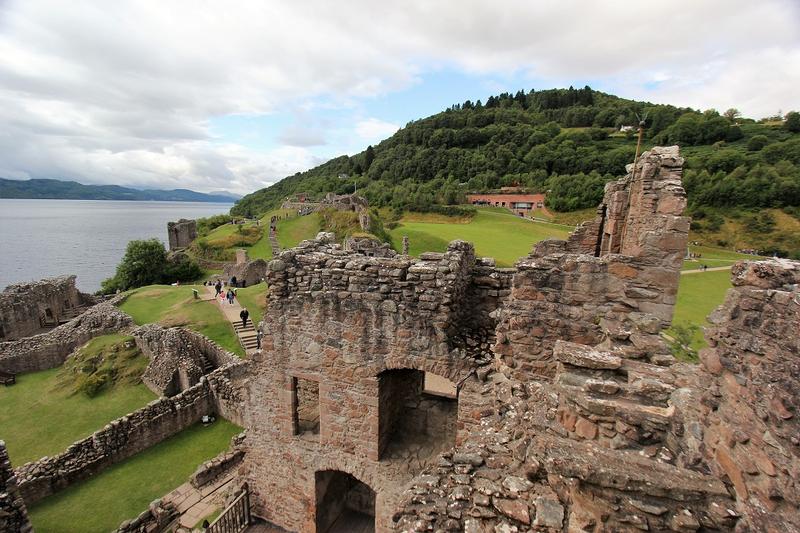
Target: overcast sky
(236, 95)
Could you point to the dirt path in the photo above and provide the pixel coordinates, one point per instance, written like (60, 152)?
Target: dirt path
(712, 269)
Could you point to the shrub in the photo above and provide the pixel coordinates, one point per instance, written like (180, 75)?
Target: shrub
(757, 142)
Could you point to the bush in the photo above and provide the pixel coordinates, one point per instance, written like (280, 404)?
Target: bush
(681, 345)
(145, 263)
(205, 225)
(757, 142)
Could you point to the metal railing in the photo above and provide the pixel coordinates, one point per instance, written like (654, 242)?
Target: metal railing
(236, 517)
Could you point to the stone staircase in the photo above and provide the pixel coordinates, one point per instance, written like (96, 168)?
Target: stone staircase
(273, 241)
(247, 335)
(70, 313)
(207, 365)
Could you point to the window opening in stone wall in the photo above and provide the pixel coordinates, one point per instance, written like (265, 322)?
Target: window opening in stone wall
(343, 504)
(415, 423)
(305, 408)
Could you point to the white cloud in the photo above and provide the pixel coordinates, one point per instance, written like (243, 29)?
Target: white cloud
(124, 92)
(373, 130)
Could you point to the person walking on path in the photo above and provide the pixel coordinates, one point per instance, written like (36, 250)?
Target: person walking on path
(230, 296)
(218, 288)
(244, 315)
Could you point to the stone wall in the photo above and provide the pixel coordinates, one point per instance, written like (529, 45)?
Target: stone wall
(178, 357)
(181, 233)
(614, 281)
(126, 436)
(752, 429)
(51, 349)
(13, 512)
(349, 322)
(248, 273)
(27, 309)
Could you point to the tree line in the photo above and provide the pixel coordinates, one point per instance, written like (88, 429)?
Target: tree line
(565, 142)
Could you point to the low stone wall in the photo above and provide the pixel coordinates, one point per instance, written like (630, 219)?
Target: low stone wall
(119, 440)
(13, 513)
(132, 433)
(51, 349)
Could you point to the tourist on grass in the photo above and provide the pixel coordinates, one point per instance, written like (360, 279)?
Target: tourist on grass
(244, 315)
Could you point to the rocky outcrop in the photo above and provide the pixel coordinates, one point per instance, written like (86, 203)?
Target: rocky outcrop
(248, 273)
(51, 349)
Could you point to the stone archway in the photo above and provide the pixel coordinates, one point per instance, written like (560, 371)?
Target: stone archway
(343, 503)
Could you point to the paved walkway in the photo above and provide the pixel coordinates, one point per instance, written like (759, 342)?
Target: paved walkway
(247, 334)
(273, 242)
(712, 269)
(196, 504)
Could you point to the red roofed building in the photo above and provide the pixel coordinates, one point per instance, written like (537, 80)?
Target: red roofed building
(521, 204)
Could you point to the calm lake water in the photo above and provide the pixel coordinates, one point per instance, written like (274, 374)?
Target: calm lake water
(44, 238)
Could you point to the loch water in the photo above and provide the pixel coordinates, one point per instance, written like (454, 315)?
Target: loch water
(45, 238)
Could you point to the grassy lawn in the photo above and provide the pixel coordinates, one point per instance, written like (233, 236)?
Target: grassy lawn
(255, 300)
(294, 230)
(124, 490)
(698, 295)
(175, 306)
(495, 234)
(40, 418)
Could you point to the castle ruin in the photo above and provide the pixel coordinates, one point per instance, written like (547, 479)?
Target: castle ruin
(443, 393)
(181, 233)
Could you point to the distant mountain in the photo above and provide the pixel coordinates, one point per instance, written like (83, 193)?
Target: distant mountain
(72, 190)
(228, 194)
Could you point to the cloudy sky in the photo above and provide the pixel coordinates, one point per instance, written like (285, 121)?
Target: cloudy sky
(212, 95)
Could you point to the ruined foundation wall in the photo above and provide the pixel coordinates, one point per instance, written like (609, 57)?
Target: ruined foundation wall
(130, 434)
(51, 349)
(752, 431)
(614, 281)
(13, 512)
(29, 308)
(249, 272)
(178, 357)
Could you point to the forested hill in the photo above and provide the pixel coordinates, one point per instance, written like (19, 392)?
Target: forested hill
(566, 141)
(71, 190)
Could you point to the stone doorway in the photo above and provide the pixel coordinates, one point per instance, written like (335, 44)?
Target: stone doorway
(417, 415)
(344, 504)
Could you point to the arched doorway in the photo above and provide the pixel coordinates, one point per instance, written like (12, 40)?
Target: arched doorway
(344, 504)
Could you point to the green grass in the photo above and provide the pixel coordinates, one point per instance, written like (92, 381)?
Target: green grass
(294, 230)
(497, 234)
(254, 299)
(698, 295)
(101, 503)
(40, 418)
(175, 306)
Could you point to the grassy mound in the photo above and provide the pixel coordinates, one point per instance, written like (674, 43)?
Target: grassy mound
(102, 363)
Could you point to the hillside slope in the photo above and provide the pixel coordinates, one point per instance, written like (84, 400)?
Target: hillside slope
(563, 141)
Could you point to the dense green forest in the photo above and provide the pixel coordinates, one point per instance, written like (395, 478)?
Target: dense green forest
(564, 141)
